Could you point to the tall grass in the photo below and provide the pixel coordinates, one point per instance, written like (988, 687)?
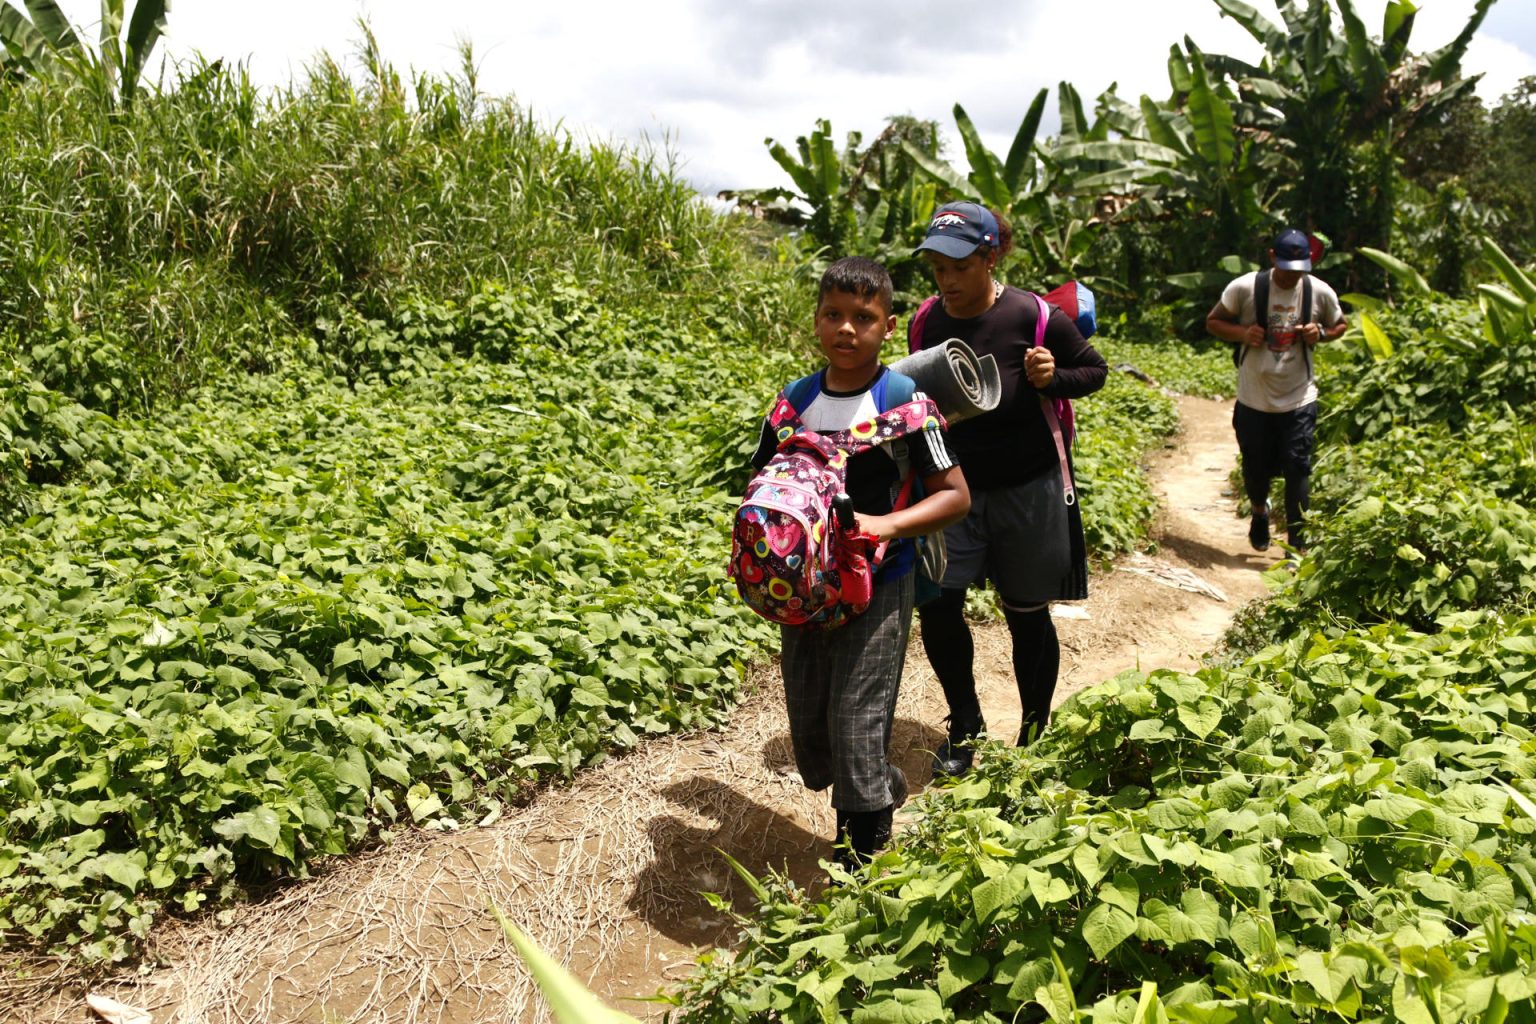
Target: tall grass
(147, 250)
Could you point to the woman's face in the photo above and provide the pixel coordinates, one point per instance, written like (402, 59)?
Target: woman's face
(965, 284)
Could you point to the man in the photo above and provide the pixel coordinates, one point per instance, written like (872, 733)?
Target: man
(1276, 414)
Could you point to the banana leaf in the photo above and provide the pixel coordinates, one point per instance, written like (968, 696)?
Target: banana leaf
(936, 169)
(569, 1000)
(1211, 119)
(50, 21)
(1401, 272)
(1261, 28)
(1517, 278)
(985, 173)
(1016, 165)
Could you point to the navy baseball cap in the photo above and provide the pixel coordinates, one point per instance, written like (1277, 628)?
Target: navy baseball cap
(959, 229)
(1293, 250)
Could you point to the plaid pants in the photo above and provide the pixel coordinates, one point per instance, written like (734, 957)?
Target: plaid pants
(840, 687)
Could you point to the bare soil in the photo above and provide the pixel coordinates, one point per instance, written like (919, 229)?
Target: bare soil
(607, 873)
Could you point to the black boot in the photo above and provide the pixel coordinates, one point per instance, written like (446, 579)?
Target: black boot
(955, 755)
(868, 833)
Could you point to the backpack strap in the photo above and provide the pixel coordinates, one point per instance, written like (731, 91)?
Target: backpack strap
(803, 391)
(918, 322)
(1260, 314)
(1042, 314)
(1306, 318)
(898, 389)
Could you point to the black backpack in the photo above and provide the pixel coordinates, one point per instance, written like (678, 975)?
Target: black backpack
(1261, 310)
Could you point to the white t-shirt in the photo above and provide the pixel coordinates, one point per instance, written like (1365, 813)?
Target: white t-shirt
(1276, 378)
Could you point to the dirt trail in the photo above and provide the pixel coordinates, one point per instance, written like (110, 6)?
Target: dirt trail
(607, 872)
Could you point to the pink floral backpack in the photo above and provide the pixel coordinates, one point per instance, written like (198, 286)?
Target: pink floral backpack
(793, 562)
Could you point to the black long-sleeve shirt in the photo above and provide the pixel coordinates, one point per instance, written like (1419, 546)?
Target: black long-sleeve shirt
(1012, 443)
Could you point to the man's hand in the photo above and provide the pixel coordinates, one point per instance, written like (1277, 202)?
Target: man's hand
(1312, 333)
(1254, 335)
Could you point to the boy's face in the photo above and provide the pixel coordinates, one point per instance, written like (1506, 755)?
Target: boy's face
(851, 329)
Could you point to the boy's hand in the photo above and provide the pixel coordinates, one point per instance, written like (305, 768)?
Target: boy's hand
(1312, 333)
(1254, 336)
(1039, 366)
(880, 528)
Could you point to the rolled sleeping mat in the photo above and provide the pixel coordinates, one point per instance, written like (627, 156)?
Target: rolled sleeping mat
(960, 383)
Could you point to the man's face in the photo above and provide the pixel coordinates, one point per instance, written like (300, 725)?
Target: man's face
(1283, 278)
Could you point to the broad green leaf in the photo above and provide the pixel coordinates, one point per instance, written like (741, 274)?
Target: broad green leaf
(902, 1006)
(261, 827)
(422, 802)
(1200, 719)
(958, 972)
(1105, 926)
(127, 870)
(1376, 340)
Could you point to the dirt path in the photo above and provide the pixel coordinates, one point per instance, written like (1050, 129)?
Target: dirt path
(607, 873)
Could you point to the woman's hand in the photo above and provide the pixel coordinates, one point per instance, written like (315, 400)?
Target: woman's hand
(1040, 366)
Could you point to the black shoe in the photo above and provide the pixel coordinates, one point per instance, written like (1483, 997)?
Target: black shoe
(868, 833)
(898, 786)
(955, 755)
(1258, 531)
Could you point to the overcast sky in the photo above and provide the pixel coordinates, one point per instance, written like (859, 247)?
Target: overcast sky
(716, 77)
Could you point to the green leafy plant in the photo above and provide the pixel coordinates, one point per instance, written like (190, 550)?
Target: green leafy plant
(1299, 834)
(48, 44)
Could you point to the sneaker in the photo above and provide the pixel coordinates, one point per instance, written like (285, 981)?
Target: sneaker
(1258, 531)
(955, 756)
(898, 786)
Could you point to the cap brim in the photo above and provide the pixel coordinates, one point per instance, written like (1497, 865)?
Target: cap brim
(944, 245)
(1293, 264)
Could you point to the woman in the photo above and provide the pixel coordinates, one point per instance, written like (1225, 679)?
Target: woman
(1021, 532)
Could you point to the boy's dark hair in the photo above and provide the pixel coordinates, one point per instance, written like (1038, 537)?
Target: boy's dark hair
(857, 275)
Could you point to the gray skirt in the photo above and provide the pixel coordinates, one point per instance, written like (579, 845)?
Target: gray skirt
(1026, 539)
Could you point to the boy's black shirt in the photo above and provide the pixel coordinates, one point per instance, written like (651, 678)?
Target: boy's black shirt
(1012, 443)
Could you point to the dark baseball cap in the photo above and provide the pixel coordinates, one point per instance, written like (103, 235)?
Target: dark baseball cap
(958, 229)
(1293, 250)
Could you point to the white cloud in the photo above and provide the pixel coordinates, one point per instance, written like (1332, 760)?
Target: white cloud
(718, 76)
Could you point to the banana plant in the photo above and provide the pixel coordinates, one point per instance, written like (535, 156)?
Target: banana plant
(994, 183)
(1332, 105)
(47, 43)
(858, 200)
(1034, 185)
(1509, 309)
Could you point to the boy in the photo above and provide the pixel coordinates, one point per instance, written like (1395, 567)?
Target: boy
(840, 684)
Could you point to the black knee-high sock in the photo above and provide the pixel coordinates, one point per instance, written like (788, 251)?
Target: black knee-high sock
(1298, 488)
(1036, 661)
(952, 653)
(1258, 491)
